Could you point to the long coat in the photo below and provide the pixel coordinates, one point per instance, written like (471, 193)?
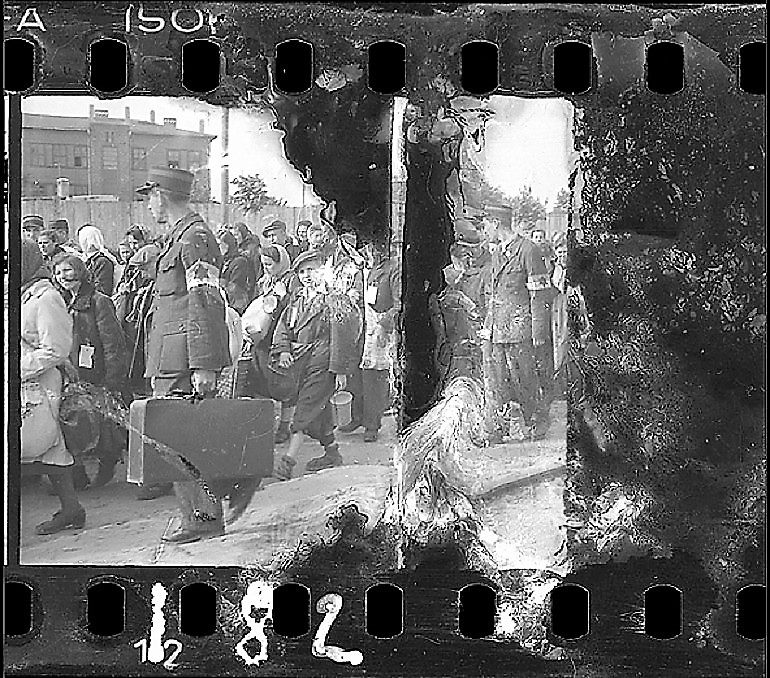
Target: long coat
(95, 324)
(236, 279)
(46, 339)
(509, 313)
(187, 328)
(102, 271)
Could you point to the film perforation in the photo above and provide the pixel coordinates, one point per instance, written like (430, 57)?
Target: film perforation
(109, 65)
(201, 66)
(665, 67)
(198, 609)
(105, 608)
(291, 610)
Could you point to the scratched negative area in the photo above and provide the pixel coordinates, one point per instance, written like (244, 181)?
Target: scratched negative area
(487, 464)
(312, 311)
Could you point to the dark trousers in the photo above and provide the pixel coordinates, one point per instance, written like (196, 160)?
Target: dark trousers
(376, 393)
(514, 378)
(196, 507)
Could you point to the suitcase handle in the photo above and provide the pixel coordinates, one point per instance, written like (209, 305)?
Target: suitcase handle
(185, 395)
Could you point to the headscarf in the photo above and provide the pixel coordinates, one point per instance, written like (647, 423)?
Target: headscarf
(33, 266)
(91, 242)
(284, 260)
(229, 239)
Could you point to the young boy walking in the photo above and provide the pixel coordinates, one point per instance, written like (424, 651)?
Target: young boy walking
(314, 344)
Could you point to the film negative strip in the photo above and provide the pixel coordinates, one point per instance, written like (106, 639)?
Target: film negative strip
(511, 259)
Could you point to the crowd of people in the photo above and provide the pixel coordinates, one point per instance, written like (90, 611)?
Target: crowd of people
(505, 317)
(221, 314)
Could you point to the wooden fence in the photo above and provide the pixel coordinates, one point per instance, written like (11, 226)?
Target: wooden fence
(114, 217)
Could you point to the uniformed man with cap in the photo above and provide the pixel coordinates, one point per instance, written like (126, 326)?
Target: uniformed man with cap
(31, 225)
(276, 234)
(187, 339)
(61, 228)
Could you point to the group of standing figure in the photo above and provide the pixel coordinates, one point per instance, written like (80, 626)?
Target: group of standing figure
(505, 317)
(197, 312)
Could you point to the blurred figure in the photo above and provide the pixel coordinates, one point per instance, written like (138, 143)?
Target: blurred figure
(559, 316)
(61, 228)
(46, 241)
(249, 247)
(302, 227)
(31, 225)
(46, 340)
(124, 252)
(236, 274)
(275, 233)
(136, 238)
(100, 262)
(382, 285)
(259, 323)
(99, 352)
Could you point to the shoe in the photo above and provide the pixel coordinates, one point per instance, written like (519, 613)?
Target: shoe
(188, 535)
(149, 492)
(284, 466)
(349, 428)
(370, 436)
(282, 433)
(105, 474)
(60, 522)
(328, 460)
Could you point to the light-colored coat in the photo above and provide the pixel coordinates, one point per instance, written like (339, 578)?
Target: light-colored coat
(46, 340)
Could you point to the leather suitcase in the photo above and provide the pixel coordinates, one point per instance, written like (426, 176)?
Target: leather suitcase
(221, 438)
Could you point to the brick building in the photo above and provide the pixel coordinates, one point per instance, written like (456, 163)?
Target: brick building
(108, 156)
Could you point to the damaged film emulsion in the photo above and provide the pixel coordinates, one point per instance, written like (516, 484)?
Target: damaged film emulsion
(314, 365)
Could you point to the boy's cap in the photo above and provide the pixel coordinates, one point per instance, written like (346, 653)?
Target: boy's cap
(169, 179)
(311, 256)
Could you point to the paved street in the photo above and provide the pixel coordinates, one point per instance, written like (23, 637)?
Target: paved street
(122, 530)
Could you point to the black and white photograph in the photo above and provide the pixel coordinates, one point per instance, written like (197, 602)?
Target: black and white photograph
(497, 438)
(208, 360)
(388, 339)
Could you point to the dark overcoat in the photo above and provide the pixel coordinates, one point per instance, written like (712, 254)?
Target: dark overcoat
(187, 328)
(95, 324)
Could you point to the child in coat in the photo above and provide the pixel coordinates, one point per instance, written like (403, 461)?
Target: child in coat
(314, 343)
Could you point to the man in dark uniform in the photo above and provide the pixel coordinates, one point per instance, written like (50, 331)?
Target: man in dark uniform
(276, 234)
(187, 340)
(62, 229)
(510, 376)
(31, 225)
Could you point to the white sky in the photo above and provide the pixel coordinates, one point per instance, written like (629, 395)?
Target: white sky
(529, 143)
(255, 147)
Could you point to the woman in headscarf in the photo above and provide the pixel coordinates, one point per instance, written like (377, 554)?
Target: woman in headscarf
(101, 263)
(237, 275)
(259, 323)
(46, 340)
(98, 352)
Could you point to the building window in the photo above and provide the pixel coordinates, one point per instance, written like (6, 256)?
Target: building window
(138, 158)
(80, 156)
(174, 159)
(60, 155)
(109, 137)
(109, 158)
(194, 160)
(41, 155)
